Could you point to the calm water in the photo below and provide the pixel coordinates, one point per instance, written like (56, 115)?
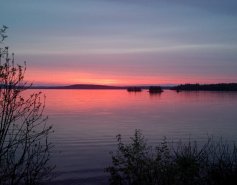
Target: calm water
(87, 121)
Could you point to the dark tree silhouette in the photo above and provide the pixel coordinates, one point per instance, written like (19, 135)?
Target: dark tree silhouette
(24, 146)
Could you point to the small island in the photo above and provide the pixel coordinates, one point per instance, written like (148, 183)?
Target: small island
(155, 89)
(134, 89)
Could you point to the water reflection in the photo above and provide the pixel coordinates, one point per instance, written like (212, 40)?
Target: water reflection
(155, 95)
(87, 121)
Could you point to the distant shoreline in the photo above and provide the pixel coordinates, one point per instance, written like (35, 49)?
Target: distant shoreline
(206, 87)
(178, 88)
(78, 86)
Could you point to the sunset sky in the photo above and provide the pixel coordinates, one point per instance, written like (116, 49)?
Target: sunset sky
(123, 42)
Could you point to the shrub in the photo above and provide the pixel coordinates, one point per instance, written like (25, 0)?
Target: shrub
(189, 163)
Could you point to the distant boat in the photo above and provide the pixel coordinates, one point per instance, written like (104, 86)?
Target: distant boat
(134, 89)
(155, 89)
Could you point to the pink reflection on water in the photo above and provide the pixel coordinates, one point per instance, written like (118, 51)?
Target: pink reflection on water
(84, 100)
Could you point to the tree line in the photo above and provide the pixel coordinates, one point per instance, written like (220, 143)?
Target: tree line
(206, 87)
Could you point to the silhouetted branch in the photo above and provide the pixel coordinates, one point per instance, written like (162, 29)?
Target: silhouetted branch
(24, 146)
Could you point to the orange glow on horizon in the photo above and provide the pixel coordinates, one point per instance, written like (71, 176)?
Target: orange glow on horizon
(77, 77)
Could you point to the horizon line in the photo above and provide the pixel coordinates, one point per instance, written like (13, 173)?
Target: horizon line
(120, 85)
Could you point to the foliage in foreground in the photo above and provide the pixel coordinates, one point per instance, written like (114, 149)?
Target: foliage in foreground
(24, 146)
(136, 163)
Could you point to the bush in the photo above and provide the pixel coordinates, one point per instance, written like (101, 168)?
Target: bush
(136, 163)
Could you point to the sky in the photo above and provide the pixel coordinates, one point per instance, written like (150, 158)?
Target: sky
(123, 42)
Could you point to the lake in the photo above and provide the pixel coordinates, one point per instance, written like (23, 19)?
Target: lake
(86, 123)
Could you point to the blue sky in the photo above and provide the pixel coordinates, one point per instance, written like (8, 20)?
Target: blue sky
(124, 41)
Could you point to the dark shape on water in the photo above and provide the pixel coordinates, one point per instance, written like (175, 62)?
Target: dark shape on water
(155, 89)
(134, 89)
